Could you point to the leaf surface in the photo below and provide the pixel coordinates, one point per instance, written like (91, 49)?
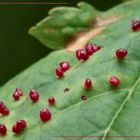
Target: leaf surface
(107, 111)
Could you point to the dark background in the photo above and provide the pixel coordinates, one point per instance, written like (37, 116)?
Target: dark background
(18, 50)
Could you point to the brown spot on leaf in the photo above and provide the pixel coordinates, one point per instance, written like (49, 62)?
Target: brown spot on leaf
(84, 98)
(80, 40)
(66, 90)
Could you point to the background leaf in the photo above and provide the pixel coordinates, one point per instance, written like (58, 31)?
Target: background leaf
(63, 23)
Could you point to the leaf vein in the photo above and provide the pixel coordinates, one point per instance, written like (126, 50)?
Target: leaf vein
(131, 90)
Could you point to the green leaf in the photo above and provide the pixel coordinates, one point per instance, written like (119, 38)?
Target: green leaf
(107, 111)
(62, 23)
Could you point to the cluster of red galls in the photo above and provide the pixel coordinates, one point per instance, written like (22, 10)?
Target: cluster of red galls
(45, 114)
(20, 125)
(114, 80)
(84, 54)
(34, 96)
(63, 67)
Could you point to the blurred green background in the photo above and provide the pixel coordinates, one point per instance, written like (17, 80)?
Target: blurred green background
(18, 50)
